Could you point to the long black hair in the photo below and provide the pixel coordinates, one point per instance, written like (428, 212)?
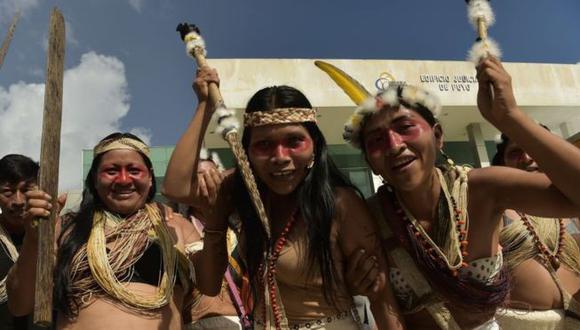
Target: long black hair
(76, 229)
(318, 185)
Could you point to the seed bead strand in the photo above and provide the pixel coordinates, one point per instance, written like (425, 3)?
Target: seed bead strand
(271, 272)
(552, 257)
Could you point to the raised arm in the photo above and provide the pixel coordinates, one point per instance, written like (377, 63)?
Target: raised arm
(181, 180)
(21, 279)
(559, 159)
(358, 230)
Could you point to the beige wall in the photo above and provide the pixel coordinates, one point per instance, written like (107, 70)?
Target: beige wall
(550, 93)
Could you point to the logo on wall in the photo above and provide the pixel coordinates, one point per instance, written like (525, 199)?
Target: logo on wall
(385, 80)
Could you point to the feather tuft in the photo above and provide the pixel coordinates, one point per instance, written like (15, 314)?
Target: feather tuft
(480, 9)
(482, 49)
(194, 41)
(227, 121)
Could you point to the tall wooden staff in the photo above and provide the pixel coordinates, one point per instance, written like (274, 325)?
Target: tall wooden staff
(49, 159)
(8, 39)
(227, 122)
(481, 16)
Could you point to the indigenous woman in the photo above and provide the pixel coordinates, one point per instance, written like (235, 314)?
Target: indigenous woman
(441, 225)
(543, 260)
(316, 218)
(119, 262)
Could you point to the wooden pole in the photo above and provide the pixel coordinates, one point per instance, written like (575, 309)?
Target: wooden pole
(49, 161)
(8, 39)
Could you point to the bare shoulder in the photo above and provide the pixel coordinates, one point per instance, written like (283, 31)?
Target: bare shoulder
(350, 205)
(345, 195)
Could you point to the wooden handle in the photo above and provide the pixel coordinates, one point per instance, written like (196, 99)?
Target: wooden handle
(48, 176)
(481, 28)
(215, 95)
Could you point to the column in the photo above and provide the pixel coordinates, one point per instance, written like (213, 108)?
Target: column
(477, 143)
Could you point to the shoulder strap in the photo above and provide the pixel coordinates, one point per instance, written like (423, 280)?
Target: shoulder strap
(405, 263)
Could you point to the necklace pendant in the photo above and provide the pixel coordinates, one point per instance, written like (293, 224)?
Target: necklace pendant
(555, 261)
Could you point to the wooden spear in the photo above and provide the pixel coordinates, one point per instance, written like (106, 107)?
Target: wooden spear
(8, 39)
(227, 123)
(49, 161)
(480, 14)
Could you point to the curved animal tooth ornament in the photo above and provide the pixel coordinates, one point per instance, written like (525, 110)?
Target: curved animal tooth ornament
(349, 85)
(228, 124)
(481, 16)
(367, 104)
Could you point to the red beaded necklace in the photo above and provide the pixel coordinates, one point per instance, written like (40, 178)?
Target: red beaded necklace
(271, 271)
(425, 240)
(552, 257)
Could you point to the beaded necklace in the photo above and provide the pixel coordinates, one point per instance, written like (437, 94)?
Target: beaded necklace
(456, 212)
(547, 255)
(271, 285)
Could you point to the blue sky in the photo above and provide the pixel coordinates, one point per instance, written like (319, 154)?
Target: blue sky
(127, 67)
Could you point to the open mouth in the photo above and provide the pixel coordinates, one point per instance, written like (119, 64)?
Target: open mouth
(123, 193)
(402, 163)
(283, 175)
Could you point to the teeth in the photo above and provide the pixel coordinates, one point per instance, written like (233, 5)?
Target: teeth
(402, 161)
(282, 173)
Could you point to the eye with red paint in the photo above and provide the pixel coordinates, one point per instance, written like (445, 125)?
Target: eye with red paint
(407, 128)
(376, 142)
(263, 147)
(515, 154)
(288, 145)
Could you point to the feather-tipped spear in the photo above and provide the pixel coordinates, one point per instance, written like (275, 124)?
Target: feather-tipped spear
(8, 39)
(227, 123)
(481, 16)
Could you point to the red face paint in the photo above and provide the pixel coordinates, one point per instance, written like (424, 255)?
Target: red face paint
(285, 147)
(123, 174)
(401, 131)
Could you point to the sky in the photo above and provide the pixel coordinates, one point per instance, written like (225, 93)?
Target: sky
(126, 69)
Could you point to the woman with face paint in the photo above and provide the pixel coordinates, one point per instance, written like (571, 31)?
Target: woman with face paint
(122, 259)
(440, 225)
(542, 257)
(316, 217)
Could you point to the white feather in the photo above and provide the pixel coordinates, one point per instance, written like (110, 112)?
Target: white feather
(390, 97)
(227, 121)
(203, 154)
(480, 9)
(194, 41)
(498, 139)
(482, 49)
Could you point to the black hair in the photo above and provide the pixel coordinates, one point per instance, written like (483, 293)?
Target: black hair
(76, 230)
(315, 195)
(498, 158)
(16, 168)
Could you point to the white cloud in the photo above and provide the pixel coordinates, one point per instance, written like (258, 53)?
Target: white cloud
(95, 99)
(9, 7)
(136, 4)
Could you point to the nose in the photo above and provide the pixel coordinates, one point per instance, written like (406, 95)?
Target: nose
(123, 177)
(526, 159)
(395, 143)
(19, 199)
(280, 154)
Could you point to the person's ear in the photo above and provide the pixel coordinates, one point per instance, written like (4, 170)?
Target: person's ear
(438, 132)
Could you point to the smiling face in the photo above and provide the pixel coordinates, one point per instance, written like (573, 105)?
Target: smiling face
(13, 202)
(515, 156)
(401, 146)
(280, 155)
(123, 181)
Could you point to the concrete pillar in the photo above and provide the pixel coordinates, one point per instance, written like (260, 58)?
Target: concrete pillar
(565, 130)
(477, 143)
